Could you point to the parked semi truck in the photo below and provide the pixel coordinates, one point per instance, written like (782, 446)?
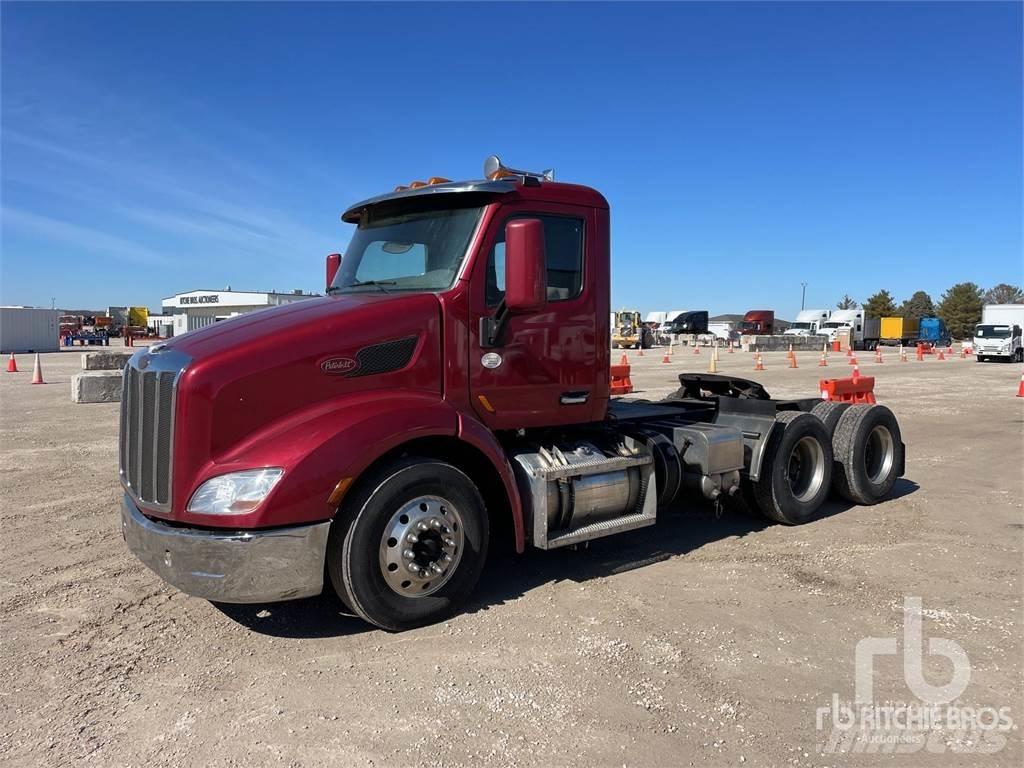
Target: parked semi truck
(758, 322)
(998, 335)
(844, 318)
(807, 322)
(378, 437)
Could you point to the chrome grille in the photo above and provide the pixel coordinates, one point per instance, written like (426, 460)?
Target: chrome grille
(147, 425)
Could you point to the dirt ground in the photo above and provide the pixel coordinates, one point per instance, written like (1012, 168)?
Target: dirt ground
(703, 641)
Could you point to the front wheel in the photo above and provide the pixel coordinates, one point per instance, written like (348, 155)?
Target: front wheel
(407, 549)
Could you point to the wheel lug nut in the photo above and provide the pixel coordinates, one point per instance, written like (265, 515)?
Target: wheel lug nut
(435, 523)
(449, 541)
(423, 526)
(435, 567)
(412, 538)
(408, 554)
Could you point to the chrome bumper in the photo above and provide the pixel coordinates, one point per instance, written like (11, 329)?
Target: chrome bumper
(233, 566)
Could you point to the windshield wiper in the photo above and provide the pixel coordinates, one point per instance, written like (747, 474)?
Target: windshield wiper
(375, 283)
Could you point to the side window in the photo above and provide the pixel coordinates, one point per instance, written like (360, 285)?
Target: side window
(563, 247)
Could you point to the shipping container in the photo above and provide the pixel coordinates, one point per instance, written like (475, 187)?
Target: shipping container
(24, 329)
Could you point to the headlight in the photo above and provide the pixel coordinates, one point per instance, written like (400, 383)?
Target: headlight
(234, 493)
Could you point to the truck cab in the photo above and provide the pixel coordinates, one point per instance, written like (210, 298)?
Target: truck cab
(451, 388)
(807, 322)
(844, 318)
(758, 322)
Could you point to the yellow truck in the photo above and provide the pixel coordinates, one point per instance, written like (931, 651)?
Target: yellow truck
(628, 330)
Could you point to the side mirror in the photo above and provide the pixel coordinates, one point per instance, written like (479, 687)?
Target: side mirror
(333, 265)
(526, 275)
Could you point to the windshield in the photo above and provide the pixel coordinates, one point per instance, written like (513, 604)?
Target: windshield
(410, 251)
(802, 326)
(992, 332)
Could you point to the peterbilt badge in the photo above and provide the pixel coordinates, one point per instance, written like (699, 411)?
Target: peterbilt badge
(338, 366)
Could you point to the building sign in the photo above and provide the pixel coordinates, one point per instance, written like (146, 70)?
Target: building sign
(212, 298)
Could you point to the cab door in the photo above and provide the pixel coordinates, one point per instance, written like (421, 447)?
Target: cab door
(542, 371)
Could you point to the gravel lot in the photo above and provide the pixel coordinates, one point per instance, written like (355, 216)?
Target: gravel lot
(705, 641)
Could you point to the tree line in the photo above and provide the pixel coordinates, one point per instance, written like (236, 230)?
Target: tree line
(959, 307)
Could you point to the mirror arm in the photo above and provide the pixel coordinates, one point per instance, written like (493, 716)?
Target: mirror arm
(493, 328)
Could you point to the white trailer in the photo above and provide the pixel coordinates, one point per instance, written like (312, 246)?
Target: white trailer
(25, 329)
(998, 335)
(807, 322)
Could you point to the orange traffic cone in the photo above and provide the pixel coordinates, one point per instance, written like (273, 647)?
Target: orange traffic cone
(963, 354)
(856, 371)
(624, 360)
(903, 354)
(941, 356)
(824, 360)
(713, 364)
(852, 360)
(878, 354)
(665, 358)
(12, 364)
(731, 350)
(758, 362)
(696, 349)
(792, 360)
(1020, 387)
(790, 353)
(37, 372)
(849, 351)
(920, 352)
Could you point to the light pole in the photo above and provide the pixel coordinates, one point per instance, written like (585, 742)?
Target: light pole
(803, 294)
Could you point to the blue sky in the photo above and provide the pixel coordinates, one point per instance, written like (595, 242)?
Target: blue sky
(149, 149)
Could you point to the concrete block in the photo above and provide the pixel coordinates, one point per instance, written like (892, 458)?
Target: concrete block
(96, 387)
(107, 360)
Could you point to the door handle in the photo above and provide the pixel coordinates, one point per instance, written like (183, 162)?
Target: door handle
(574, 398)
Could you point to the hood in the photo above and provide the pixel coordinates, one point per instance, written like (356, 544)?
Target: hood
(249, 373)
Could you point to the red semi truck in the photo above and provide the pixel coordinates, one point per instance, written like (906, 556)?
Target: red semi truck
(758, 322)
(454, 382)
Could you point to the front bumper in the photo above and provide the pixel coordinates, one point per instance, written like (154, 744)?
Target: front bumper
(230, 566)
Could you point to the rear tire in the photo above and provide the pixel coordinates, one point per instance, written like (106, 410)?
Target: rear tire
(796, 471)
(829, 413)
(868, 451)
(366, 551)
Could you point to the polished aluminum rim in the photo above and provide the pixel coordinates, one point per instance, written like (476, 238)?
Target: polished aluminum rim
(421, 546)
(879, 454)
(806, 469)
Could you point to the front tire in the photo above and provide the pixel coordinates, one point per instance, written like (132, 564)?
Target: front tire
(796, 471)
(408, 547)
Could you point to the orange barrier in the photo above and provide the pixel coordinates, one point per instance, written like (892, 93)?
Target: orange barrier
(852, 390)
(621, 383)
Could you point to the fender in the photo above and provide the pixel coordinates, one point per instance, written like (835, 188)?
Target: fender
(481, 438)
(319, 446)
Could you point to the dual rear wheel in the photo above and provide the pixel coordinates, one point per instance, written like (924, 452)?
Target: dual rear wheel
(854, 450)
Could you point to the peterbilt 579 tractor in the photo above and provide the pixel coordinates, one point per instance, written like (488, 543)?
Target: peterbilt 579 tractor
(453, 382)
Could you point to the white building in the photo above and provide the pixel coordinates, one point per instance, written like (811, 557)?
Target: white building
(199, 308)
